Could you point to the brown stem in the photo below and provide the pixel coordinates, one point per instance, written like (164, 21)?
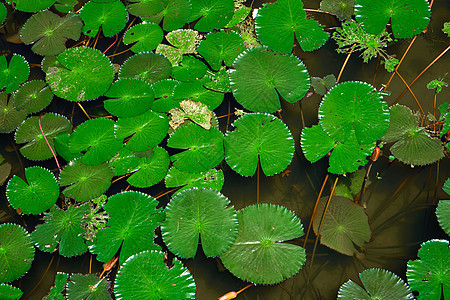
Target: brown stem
(343, 65)
(409, 88)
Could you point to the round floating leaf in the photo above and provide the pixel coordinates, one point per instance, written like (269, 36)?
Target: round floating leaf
(322, 85)
(49, 32)
(195, 91)
(214, 14)
(111, 15)
(132, 219)
(343, 9)
(30, 132)
(85, 182)
(443, 215)
(12, 75)
(150, 170)
(141, 8)
(10, 117)
(35, 195)
(184, 41)
(429, 275)
(34, 96)
(146, 276)
(408, 17)
(87, 286)
(212, 179)
(62, 147)
(149, 67)
(132, 97)
(260, 137)
(258, 254)
(17, 252)
(217, 81)
(9, 292)
(239, 15)
(3, 14)
(124, 162)
(260, 76)
(191, 68)
(349, 156)
(354, 108)
(204, 148)
(316, 143)
(63, 227)
(378, 284)
(345, 224)
(277, 23)
(32, 5)
(221, 46)
(56, 292)
(65, 6)
(164, 95)
(199, 212)
(174, 15)
(146, 36)
(85, 74)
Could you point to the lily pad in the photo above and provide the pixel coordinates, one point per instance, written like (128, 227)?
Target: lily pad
(183, 41)
(258, 254)
(323, 85)
(14, 73)
(195, 91)
(191, 68)
(213, 14)
(3, 14)
(146, 276)
(10, 117)
(141, 8)
(56, 292)
(33, 96)
(150, 170)
(343, 9)
(17, 251)
(212, 179)
(146, 66)
(48, 32)
(147, 37)
(196, 214)
(429, 275)
(62, 147)
(63, 228)
(261, 76)
(259, 137)
(35, 195)
(316, 143)
(32, 5)
(164, 95)
(217, 81)
(443, 215)
(198, 112)
(124, 162)
(174, 15)
(132, 219)
(65, 6)
(345, 225)
(111, 15)
(87, 286)
(9, 292)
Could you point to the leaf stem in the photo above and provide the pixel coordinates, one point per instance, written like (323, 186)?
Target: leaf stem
(39, 282)
(343, 65)
(115, 41)
(82, 108)
(257, 183)
(409, 88)
(318, 11)
(48, 144)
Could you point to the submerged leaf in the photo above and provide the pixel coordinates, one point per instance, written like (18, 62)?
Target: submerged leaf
(343, 9)
(32, 5)
(174, 15)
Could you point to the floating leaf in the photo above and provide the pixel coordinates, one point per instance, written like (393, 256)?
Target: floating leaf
(17, 251)
(174, 15)
(408, 17)
(191, 68)
(378, 284)
(85, 182)
(323, 85)
(87, 286)
(146, 66)
(316, 143)
(9, 292)
(34, 96)
(32, 5)
(217, 81)
(3, 14)
(35, 195)
(212, 179)
(221, 46)
(150, 170)
(30, 132)
(345, 224)
(443, 215)
(147, 37)
(277, 23)
(14, 73)
(56, 292)
(62, 147)
(85, 74)
(184, 41)
(142, 8)
(199, 212)
(48, 32)
(213, 14)
(258, 254)
(195, 91)
(349, 156)
(343, 9)
(110, 15)
(10, 117)
(96, 137)
(195, 111)
(145, 276)
(240, 14)
(132, 219)
(429, 275)
(204, 148)
(261, 76)
(260, 137)
(164, 95)
(65, 6)
(350, 186)
(63, 228)
(124, 162)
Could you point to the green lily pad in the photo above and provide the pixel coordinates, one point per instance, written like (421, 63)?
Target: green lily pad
(350, 185)
(429, 275)
(277, 23)
(146, 130)
(124, 162)
(87, 286)
(344, 225)
(217, 81)
(10, 117)
(85, 74)
(17, 251)
(221, 46)
(174, 15)
(9, 292)
(147, 37)
(204, 148)
(199, 213)
(343, 9)
(56, 292)
(34, 96)
(150, 170)
(132, 219)
(48, 32)
(408, 17)
(354, 108)
(131, 97)
(323, 85)
(14, 73)
(213, 14)
(164, 95)
(96, 137)
(446, 186)
(260, 137)
(378, 284)
(63, 228)
(65, 6)
(141, 8)
(146, 66)
(30, 132)
(261, 76)
(316, 143)
(240, 14)
(3, 14)
(111, 15)
(32, 5)
(258, 254)
(35, 195)
(195, 91)
(145, 276)
(183, 41)
(85, 182)
(191, 68)
(212, 179)
(443, 215)
(62, 147)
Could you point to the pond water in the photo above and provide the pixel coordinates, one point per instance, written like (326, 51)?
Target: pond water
(399, 204)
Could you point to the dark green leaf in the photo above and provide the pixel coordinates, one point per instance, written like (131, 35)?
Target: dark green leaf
(32, 5)
(9, 292)
(56, 292)
(149, 67)
(191, 68)
(213, 14)
(14, 73)
(150, 170)
(174, 15)
(10, 117)
(343, 9)
(87, 286)
(195, 91)
(33, 96)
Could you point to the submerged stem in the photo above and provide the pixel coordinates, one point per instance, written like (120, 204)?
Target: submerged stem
(409, 88)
